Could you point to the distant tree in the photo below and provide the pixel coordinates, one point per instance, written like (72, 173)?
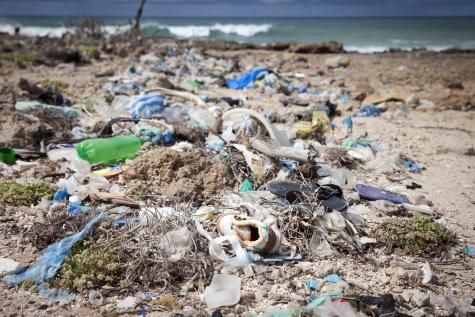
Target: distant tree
(138, 16)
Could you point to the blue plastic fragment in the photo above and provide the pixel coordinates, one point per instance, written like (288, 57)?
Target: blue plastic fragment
(344, 98)
(74, 207)
(170, 52)
(316, 91)
(60, 195)
(291, 165)
(373, 193)
(303, 89)
(411, 166)
(311, 283)
(349, 124)
(470, 251)
(333, 278)
(246, 79)
(367, 111)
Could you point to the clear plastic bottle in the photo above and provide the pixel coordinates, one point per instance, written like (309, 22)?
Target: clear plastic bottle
(109, 150)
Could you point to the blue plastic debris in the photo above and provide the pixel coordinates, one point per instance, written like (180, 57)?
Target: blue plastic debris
(74, 207)
(246, 79)
(303, 89)
(470, 251)
(316, 91)
(170, 52)
(321, 299)
(290, 164)
(333, 278)
(146, 106)
(60, 195)
(344, 98)
(349, 124)
(49, 262)
(411, 166)
(311, 283)
(367, 111)
(246, 186)
(369, 192)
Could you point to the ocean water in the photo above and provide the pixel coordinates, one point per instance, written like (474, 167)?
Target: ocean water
(357, 34)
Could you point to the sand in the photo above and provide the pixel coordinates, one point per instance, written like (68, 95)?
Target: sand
(437, 134)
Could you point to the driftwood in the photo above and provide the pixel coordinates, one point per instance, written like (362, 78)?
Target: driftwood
(274, 150)
(181, 94)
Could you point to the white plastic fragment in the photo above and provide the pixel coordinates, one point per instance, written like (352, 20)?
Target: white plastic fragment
(367, 240)
(176, 243)
(426, 273)
(224, 290)
(8, 266)
(128, 302)
(422, 209)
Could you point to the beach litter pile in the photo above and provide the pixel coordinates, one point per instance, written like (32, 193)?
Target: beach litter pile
(192, 185)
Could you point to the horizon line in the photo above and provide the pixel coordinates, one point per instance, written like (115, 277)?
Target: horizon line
(240, 17)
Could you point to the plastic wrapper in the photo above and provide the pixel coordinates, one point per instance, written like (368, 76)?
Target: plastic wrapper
(320, 123)
(176, 243)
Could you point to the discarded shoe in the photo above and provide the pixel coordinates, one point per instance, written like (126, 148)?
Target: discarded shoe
(329, 195)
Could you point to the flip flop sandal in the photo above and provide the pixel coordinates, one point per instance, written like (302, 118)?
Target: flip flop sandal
(373, 193)
(329, 195)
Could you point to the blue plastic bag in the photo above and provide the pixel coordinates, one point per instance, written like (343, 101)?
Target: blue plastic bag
(246, 79)
(53, 256)
(146, 106)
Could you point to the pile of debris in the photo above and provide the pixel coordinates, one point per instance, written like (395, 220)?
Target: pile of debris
(187, 183)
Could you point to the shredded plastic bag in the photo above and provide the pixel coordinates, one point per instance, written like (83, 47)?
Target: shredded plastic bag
(146, 106)
(246, 79)
(49, 262)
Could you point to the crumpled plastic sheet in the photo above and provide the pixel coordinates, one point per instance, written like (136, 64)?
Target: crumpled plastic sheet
(49, 262)
(320, 122)
(246, 79)
(145, 107)
(216, 251)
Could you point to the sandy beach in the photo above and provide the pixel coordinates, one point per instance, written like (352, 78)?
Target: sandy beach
(426, 108)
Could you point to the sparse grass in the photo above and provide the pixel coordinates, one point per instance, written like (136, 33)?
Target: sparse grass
(93, 264)
(416, 236)
(15, 194)
(21, 57)
(90, 52)
(56, 84)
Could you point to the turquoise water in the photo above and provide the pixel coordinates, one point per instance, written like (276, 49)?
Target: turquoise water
(360, 34)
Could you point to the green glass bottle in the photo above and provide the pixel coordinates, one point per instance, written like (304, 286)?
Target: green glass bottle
(109, 150)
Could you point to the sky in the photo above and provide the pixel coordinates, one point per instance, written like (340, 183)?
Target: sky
(239, 8)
